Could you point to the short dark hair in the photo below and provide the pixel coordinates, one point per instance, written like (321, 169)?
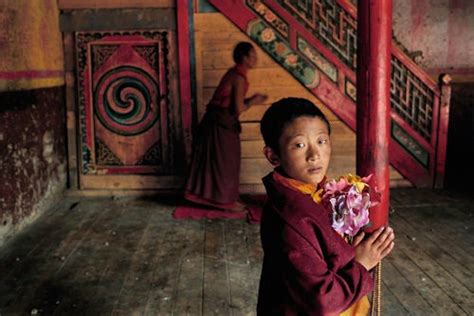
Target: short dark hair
(283, 112)
(241, 50)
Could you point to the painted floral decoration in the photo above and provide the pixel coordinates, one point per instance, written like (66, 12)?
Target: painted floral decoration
(291, 60)
(268, 35)
(269, 16)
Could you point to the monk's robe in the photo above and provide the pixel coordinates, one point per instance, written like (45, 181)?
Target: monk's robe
(308, 268)
(215, 167)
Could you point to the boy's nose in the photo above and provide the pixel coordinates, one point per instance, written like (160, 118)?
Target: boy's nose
(313, 153)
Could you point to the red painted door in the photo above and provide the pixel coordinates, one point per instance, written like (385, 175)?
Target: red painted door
(129, 135)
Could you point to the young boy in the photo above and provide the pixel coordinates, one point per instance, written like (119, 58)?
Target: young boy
(308, 269)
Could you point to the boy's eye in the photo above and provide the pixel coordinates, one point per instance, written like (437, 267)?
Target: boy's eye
(299, 145)
(323, 141)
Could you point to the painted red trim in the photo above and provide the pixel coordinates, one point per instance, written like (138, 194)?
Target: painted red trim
(88, 104)
(119, 39)
(235, 11)
(349, 7)
(30, 74)
(329, 93)
(182, 11)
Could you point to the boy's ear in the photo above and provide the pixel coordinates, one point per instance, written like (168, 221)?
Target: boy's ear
(271, 156)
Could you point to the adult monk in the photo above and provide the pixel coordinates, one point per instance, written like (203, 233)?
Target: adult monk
(214, 172)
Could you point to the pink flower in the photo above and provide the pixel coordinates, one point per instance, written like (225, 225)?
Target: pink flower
(334, 186)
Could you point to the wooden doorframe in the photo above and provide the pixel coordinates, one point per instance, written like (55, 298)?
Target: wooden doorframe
(185, 33)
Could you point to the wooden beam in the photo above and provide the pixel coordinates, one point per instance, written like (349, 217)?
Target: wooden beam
(117, 19)
(109, 4)
(441, 146)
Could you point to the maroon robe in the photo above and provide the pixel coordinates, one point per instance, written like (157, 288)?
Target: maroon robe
(215, 168)
(308, 269)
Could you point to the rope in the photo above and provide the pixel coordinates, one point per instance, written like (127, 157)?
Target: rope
(375, 309)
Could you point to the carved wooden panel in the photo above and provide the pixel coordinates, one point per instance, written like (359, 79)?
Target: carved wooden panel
(125, 119)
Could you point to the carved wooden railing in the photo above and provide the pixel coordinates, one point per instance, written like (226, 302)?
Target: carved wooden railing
(315, 40)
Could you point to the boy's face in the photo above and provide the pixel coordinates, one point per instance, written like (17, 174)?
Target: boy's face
(305, 150)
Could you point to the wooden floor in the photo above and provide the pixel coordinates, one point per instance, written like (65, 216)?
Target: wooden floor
(129, 257)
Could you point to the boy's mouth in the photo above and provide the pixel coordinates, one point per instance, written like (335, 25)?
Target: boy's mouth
(314, 170)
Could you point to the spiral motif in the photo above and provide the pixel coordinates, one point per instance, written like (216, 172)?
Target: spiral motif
(126, 100)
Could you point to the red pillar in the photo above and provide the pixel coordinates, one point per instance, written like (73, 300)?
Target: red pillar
(374, 38)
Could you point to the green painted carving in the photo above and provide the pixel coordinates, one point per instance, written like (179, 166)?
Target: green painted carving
(278, 48)
(411, 146)
(350, 89)
(319, 60)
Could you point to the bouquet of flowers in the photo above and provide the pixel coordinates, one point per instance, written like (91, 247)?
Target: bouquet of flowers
(349, 198)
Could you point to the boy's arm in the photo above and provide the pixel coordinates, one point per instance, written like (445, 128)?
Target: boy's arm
(313, 281)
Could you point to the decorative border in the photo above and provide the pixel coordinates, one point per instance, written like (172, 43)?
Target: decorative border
(278, 48)
(269, 16)
(410, 145)
(350, 89)
(328, 68)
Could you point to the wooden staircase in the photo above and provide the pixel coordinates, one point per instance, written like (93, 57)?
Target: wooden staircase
(315, 41)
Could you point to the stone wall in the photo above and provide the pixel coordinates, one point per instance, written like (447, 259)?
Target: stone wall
(33, 155)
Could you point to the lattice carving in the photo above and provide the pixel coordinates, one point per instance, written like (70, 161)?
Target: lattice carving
(329, 23)
(411, 99)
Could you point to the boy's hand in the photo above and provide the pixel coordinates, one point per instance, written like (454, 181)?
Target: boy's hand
(358, 238)
(371, 251)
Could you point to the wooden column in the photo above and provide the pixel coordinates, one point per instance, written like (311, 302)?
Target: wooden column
(374, 38)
